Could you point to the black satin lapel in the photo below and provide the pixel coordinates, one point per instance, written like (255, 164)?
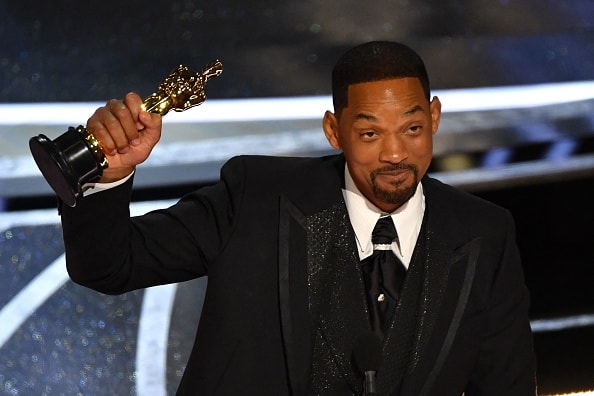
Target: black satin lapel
(337, 296)
(436, 261)
(293, 296)
(462, 271)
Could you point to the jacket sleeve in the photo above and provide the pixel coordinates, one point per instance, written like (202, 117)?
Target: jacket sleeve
(110, 252)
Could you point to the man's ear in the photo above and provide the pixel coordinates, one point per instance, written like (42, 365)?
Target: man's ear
(435, 108)
(330, 125)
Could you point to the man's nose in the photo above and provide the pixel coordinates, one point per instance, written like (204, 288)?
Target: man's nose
(393, 149)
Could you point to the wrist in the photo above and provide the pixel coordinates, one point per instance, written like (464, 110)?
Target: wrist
(114, 175)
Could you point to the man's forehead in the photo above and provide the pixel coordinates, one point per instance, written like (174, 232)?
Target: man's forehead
(406, 95)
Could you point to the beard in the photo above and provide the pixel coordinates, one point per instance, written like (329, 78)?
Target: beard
(400, 193)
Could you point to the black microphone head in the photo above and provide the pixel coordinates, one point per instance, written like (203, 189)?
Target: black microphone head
(367, 353)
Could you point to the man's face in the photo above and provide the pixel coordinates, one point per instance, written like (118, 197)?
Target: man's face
(386, 134)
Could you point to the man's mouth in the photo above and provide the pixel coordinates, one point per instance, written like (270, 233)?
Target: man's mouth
(394, 174)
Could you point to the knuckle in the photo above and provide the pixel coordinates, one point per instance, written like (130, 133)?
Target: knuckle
(104, 138)
(113, 103)
(117, 108)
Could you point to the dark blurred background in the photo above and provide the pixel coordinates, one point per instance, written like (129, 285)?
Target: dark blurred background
(86, 51)
(74, 51)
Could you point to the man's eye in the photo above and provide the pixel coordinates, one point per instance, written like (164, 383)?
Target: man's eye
(369, 134)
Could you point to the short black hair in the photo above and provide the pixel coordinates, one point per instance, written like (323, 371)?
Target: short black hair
(375, 61)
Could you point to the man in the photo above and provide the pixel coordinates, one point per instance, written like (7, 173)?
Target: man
(284, 241)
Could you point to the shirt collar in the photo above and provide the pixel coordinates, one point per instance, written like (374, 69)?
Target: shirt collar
(363, 216)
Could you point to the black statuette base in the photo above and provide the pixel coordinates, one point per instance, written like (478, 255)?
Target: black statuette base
(67, 163)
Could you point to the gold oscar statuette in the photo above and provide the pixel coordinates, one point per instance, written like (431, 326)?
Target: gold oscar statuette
(75, 158)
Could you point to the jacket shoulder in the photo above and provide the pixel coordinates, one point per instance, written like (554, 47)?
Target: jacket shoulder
(467, 211)
(449, 195)
(280, 164)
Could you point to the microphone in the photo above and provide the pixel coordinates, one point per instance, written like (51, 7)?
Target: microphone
(367, 355)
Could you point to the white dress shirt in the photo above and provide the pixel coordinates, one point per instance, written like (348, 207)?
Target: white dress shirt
(363, 215)
(92, 188)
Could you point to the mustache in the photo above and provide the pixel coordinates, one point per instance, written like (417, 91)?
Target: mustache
(395, 167)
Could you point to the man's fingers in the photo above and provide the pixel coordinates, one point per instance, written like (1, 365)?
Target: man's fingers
(115, 126)
(121, 122)
(96, 125)
(125, 132)
(148, 124)
(151, 124)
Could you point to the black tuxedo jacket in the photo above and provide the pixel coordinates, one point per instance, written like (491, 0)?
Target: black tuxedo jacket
(285, 292)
